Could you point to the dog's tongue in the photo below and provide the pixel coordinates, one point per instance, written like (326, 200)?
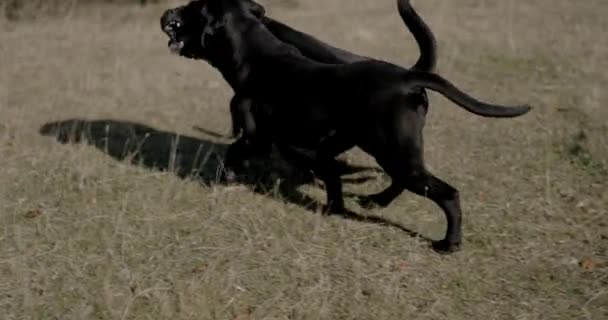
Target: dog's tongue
(176, 46)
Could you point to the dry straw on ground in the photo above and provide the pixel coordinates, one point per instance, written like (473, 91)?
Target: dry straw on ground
(91, 231)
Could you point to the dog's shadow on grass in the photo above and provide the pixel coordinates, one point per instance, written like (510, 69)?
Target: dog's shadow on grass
(199, 159)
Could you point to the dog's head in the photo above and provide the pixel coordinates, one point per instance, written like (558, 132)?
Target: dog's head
(188, 26)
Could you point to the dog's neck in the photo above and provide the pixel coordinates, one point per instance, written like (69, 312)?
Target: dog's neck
(225, 56)
(231, 56)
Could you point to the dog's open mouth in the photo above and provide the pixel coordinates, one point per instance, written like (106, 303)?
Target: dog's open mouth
(176, 43)
(175, 46)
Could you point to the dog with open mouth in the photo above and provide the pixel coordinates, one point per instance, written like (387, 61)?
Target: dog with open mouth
(295, 101)
(181, 27)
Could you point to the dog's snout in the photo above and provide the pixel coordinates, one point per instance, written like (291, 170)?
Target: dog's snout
(170, 21)
(166, 17)
(172, 26)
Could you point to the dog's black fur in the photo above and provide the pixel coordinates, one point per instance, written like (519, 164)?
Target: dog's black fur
(308, 45)
(328, 108)
(317, 50)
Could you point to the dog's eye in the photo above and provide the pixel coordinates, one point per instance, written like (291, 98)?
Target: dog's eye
(172, 25)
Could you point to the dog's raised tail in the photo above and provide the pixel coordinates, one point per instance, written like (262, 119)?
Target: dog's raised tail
(443, 86)
(423, 35)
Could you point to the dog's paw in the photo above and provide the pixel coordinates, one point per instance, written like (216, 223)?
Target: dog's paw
(369, 202)
(230, 177)
(445, 247)
(335, 210)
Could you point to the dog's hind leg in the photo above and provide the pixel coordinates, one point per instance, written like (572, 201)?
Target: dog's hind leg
(446, 197)
(423, 183)
(383, 198)
(406, 168)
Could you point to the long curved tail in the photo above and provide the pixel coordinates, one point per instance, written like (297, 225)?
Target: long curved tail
(423, 35)
(439, 84)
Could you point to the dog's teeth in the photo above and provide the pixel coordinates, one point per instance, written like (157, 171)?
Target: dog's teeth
(177, 24)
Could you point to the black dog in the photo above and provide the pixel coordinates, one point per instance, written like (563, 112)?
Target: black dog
(328, 108)
(178, 25)
(172, 22)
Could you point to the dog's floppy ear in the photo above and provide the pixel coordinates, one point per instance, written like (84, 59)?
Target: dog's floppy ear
(213, 24)
(256, 9)
(212, 28)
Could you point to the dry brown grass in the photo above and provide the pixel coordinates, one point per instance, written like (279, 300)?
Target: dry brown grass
(85, 236)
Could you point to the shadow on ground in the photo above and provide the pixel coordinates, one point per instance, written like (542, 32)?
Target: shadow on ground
(199, 159)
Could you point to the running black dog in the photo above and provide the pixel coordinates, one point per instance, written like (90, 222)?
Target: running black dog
(327, 108)
(179, 25)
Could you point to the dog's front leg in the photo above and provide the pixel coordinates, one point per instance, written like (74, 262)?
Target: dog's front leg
(251, 143)
(241, 112)
(235, 158)
(325, 168)
(333, 187)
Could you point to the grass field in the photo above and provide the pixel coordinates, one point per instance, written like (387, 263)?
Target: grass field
(94, 230)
